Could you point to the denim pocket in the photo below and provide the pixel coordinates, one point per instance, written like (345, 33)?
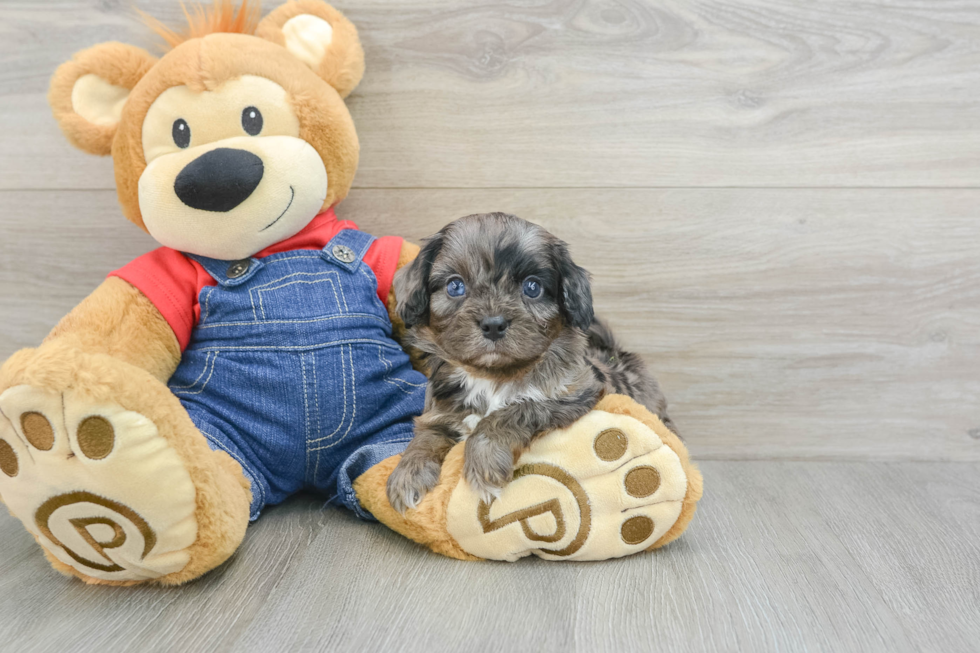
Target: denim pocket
(299, 296)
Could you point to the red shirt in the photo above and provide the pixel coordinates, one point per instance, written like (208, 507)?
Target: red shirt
(173, 281)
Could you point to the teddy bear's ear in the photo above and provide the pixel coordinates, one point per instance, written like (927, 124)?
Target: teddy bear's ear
(88, 93)
(319, 36)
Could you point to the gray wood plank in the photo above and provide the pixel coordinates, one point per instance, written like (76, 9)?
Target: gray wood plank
(41, 610)
(890, 546)
(781, 556)
(569, 93)
(782, 323)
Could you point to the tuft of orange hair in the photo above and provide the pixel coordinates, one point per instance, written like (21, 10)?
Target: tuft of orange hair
(221, 16)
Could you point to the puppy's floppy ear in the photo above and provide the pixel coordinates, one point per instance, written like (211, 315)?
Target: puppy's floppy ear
(88, 93)
(575, 288)
(412, 284)
(319, 36)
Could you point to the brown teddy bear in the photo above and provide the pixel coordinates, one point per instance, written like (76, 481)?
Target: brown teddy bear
(256, 352)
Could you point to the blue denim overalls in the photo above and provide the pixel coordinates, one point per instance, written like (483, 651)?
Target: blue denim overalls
(292, 370)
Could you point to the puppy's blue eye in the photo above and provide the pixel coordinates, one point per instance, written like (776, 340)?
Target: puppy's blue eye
(532, 287)
(455, 287)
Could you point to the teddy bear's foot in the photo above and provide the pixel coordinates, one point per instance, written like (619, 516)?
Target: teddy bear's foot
(102, 491)
(615, 483)
(605, 488)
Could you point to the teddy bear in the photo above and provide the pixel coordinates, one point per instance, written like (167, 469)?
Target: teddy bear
(256, 352)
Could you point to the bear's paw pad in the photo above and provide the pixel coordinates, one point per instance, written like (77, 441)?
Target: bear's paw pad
(606, 487)
(98, 486)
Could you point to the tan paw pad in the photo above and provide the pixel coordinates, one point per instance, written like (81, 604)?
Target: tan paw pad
(96, 437)
(8, 459)
(37, 430)
(636, 530)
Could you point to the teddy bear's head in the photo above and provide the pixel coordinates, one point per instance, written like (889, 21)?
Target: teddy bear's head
(231, 141)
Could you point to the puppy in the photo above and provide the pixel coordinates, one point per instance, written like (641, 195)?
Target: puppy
(503, 320)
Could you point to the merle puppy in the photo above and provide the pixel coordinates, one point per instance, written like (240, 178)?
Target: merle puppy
(503, 320)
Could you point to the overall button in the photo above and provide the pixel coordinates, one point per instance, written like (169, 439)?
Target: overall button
(343, 253)
(238, 268)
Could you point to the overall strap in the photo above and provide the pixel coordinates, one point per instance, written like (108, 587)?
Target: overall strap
(347, 248)
(229, 273)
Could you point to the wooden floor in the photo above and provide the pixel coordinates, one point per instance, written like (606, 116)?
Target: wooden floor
(780, 203)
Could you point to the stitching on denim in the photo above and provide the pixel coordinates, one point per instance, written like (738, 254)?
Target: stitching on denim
(326, 276)
(316, 409)
(370, 276)
(356, 240)
(217, 270)
(340, 286)
(246, 468)
(204, 369)
(306, 406)
(278, 283)
(396, 381)
(206, 381)
(353, 388)
(314, 253)
(310, 321)
(312, 283)
(343, 417)
(395, 441)
(352, 499)
(207, 302)
(320, 345)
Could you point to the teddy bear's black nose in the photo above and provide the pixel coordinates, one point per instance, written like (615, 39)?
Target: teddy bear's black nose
(219, 180)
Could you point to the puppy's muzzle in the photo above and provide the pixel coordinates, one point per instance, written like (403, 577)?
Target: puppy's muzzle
(494, 328)
(219, 180)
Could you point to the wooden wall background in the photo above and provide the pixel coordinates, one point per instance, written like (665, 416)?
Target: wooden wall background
(778, 200)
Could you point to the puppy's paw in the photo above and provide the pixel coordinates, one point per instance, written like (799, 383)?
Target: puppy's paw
(411, 481)
(488, 466)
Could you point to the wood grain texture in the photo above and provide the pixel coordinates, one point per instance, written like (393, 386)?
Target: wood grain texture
(781, 557)
(782, 323)
(564, 93)
(806, 322)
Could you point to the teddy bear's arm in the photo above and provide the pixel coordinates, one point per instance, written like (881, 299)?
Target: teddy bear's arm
(118, 320)
(407, 255)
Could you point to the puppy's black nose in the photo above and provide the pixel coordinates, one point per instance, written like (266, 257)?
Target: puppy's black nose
(494, 327)
(219, 180)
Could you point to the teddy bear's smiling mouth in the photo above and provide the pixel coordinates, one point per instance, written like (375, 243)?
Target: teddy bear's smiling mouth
(292, 195)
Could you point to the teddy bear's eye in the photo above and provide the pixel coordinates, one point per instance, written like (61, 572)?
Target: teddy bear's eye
(252, 121)
(182, 133)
